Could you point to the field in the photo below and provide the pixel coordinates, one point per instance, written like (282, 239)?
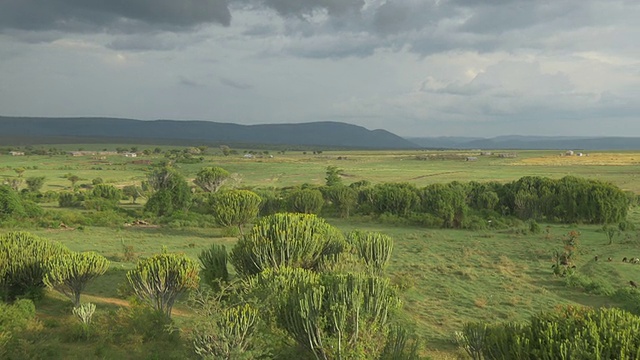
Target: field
(448, 277)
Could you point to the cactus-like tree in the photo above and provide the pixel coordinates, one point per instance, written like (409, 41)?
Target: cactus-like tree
(236, 208)
(73, 271)
(211, 179)
(160, 279)
(23, 263)
(214, 265)
(285, 239)
(374, 248)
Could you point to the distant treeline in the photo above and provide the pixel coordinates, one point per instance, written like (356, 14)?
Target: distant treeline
(455, 205)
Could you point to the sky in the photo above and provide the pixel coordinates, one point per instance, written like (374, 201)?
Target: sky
(417, 68)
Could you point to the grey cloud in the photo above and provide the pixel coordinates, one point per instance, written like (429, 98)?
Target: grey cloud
(235, 84)
(190, 83)
(101, 15)
(302, 7)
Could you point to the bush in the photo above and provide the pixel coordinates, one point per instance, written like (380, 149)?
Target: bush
(10, 203)
(23, 264)
(305, 201)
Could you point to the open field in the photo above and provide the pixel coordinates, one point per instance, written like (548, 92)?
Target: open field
(294, 168)
(448, 277)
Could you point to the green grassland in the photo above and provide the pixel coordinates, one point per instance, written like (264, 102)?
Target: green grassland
(447, 277)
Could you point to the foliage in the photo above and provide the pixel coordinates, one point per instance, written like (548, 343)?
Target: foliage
(160, 279)
(332, 316)
(396, 199)
(333, 174)
(445, 201)
(133, 192)
(306, 201)
(226, 334)
(611, 232)
(344, 198)
(10, 203)
(214, 266)
(107, 192)
(211, 179)
(374, 248)
(35, 183)
(235, 208)
(73, 271)
(565, 333)
(24, 262)
(172, 192)
(14, 319)
(286, 239)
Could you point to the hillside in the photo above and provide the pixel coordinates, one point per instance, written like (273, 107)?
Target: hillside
(530, 142)
(25, 130)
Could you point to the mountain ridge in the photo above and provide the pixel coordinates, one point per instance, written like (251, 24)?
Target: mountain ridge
(322, 134)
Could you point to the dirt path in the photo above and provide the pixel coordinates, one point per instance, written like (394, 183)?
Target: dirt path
(125, 303)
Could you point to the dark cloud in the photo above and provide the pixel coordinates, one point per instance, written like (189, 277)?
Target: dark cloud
(235, 84)
(111, 15)
(302, 7)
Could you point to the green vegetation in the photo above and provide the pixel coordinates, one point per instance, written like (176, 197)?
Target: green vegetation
(494, 244)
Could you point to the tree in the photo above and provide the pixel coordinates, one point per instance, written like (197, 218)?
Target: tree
(74, 179)
(106, 192)
(286, 239)
(225, 150)
(34, 184)
(133, 192)
(374, 248)
(306, 201)
(23, 262)
(73, 271)
(210, 179)
(19, 171)
(611, 232)
(160, 279)
(344, 198)
(214, 266)
(236, 208)
(333, 176)
(10, 202)
(172, 192)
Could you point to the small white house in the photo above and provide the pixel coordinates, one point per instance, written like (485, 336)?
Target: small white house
(130, 154)
(16, 153)
(248, 156)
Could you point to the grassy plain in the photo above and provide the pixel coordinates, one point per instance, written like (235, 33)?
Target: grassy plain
(449, 276)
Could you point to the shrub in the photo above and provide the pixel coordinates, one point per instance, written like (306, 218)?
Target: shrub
(160, 279)
(24, 260)
(287, 239)
(71, 272)
(10, 203)
(214, 266)
(306, 201)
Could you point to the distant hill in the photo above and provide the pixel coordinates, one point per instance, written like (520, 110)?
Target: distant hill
(30, 130)
(531, 142)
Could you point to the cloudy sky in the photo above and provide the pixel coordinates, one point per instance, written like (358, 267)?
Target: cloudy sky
(413, 67)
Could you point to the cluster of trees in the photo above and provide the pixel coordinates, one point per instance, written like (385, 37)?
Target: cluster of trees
(564, 333)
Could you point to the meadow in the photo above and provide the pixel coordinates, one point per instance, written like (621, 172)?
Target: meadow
(447, 277)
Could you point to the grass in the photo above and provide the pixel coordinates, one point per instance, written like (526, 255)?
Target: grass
(447, 277)
(295, 168)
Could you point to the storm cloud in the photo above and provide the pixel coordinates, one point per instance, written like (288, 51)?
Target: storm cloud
(415, 67)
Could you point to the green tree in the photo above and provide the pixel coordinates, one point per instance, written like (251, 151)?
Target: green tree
(235, 208)
(374, 248)
(10, 203)
(133, 192)
(211, 179)
(333, 176)
(213, 262)
(73, 179)
(397, 199)
(162, 278)
(172, 193)
(344, 198)
(19, 171)
(24, 260)
(35, 183)
(286, 239)
(611, 232)
(306, 201)
(73, 271)
(447, 202)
